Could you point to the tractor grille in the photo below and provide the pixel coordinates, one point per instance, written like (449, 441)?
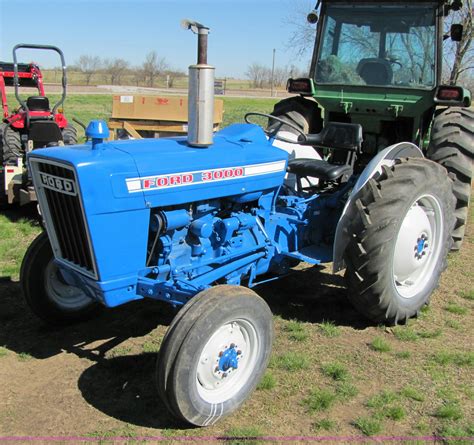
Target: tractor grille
(60, 202)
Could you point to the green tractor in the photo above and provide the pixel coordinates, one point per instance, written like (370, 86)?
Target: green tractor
(379, 64)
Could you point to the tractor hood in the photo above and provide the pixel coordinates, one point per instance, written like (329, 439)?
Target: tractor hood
(97, 198)
(136, 174)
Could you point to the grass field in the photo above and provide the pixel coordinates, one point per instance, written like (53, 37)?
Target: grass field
(332, 373)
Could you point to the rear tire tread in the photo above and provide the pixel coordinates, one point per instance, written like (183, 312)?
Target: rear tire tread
(372, 231)
(452, 146)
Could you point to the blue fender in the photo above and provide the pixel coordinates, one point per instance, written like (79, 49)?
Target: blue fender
(385, 157)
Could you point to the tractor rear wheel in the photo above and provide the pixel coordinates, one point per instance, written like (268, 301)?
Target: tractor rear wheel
(214, 354)
(69, 135)
(12, 148)
(304, 113)
(45, 291)
(452, 146)
(399, 240)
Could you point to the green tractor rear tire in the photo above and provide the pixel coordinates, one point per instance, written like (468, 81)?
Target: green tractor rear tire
(304, 113)
(452, 146)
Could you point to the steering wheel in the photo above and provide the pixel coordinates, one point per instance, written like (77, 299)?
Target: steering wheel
(282, 121)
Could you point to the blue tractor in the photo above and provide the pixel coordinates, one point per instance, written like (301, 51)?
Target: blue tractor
(199, 221)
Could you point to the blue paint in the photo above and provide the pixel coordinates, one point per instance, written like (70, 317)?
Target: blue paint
(167, 220)
(421, 246)
(228, 360)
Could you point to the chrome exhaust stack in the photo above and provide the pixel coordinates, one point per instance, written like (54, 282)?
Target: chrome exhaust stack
(201, 91)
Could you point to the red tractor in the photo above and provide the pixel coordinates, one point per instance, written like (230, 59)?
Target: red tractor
(34, 124)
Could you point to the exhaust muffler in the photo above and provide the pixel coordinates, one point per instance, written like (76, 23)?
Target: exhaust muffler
(201, 91)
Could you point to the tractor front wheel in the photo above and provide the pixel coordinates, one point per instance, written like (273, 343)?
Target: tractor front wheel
(399, 240)
(452, 146)
(214, 354)
(45, 291)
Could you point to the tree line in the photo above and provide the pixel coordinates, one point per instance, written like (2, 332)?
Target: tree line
(147, 73)
(261, 76)
(154, 69)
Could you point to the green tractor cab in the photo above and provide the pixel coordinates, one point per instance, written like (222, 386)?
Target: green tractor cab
(379, 64)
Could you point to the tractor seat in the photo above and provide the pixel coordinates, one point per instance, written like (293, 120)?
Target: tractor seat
(375, 71)
(37, 103)
(314, 168)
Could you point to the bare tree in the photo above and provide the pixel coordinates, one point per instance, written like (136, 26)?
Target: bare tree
(88, 65)
(295, 72)
(303, 34)
(280, 76)
(172, 75)
(460, 55)
(138, 76)
(116, 68)
(153, 66)
(258, 75)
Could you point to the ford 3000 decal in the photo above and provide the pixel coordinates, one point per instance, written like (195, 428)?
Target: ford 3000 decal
(202, 176)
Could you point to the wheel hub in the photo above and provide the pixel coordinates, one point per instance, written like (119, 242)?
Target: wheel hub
(227, 361)
(421, 247)
(411, 249)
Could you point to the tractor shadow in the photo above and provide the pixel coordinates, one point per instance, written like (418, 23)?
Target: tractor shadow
(15, 213)
(22, 332)
(313, 295)
(309, 295)
(124, 388)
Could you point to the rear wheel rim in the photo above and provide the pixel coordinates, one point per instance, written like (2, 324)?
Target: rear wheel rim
(66, 297)
(235, 343)
(418, 246)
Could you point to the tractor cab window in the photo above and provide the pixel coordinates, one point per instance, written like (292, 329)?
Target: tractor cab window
(383, 45)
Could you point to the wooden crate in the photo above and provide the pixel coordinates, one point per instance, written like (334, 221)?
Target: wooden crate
(155, 116)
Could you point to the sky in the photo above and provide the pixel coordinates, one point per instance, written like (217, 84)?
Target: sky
(242, 31)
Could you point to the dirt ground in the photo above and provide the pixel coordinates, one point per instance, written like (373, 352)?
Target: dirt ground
(96, 379)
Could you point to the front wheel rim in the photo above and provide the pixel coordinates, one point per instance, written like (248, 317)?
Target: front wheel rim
(418, 246)
(227, 361)
(66, 297)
